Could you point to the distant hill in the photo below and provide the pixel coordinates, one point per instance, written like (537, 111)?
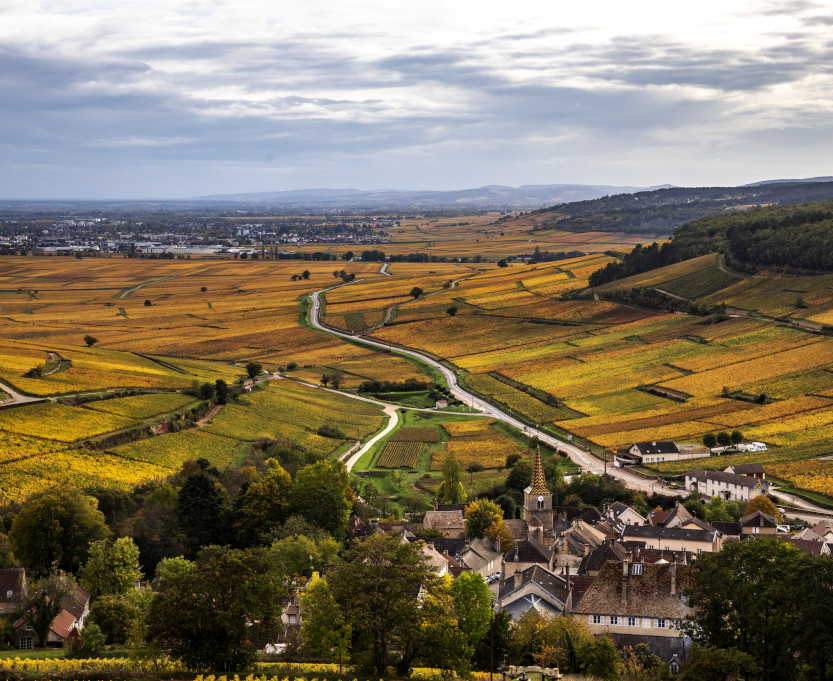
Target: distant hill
(660, 211)
(489, 197)
(792, 238)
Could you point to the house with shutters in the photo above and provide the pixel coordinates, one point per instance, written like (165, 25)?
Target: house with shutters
(636, 603)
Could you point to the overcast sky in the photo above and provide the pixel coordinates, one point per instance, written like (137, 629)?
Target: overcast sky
(177, 98)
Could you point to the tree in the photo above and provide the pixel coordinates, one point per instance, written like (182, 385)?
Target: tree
(520, 477)
(321, 493)
(264, 505)
(724, 439)
(53, 530)
(710, 440)
(765, 505)
(148, 303)
(116, 615)
(481, 514)
(156, 529)
(325, 379)
(374, 590)
(324, 631)
(200, 509)
(716, 664)
(451, 489)
(203, 289)
(744, 598)
(302, 555)
(737, 437)
(305, 274)
(416, 292)
(472, 605)
(716, 511)
(221, 391)
(473, 468)
(502, 263)
(43, 603)
(207, 391)
(451, 311)
(112, 568)
(507, 505)
(254, 369)
(218, 613)
(90, 340)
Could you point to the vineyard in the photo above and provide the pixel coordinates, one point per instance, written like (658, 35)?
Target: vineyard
(400, 454)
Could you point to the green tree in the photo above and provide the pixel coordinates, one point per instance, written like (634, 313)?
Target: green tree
(200, 509)
(221, 391)
(207, 391)
(724, 439)
(54, 529)
(90, 340)
(744, 598)
(321, 493)
(7, 557)
(156, 528)
(602, 660)
(716, 511)
(481, 514)
(219, 613)
(324, 631)
(43, 603)
(451, 311)
(814, 600)
(451, 490)
(254, 369)
(520, 476)
(116, 616)
(696, 507)
(416, 292)
(374, 590)
(472, 605)
(737, 437)
(507, 505)
(710, 440)
(301, 555)
(264, 505)
(717, 664)
(112, 568)
(473, 468)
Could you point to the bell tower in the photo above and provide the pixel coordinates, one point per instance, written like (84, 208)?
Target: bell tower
(537, 497)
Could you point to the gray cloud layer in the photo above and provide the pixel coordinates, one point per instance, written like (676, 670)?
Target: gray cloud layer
(177, 115)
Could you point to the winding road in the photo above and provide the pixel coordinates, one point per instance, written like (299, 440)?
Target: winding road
(587, 461)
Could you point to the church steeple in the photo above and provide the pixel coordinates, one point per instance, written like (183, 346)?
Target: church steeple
(537, 497)
(539, 482)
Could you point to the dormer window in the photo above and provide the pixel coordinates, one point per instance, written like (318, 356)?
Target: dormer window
(9, 593)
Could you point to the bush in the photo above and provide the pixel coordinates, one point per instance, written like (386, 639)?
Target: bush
(330, 431)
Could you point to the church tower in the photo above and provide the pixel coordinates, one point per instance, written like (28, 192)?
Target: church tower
(537, 497)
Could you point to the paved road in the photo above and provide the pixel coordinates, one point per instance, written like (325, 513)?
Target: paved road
(17, 398)
(587, 461)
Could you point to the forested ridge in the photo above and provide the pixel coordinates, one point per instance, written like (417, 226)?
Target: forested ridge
(660, 211)
(795, 238)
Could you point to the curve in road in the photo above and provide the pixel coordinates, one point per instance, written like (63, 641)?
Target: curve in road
(583, 458)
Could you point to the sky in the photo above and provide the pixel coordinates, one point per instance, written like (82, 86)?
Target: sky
(179, 98)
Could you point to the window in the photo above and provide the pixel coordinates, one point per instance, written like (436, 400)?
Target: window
(26, 643)
(662, 624)
(595, 619)
(614, 619)
(9, 593)
(636, 569)
(631, 621)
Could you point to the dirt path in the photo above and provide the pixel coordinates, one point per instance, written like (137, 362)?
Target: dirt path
(205, 420)
(53, 357)
(126, 293)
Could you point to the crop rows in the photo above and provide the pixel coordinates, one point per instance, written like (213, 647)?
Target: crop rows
(400, 454)
(417, 434)
(813, 475)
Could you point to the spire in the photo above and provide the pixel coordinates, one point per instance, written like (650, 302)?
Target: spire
(539, 482)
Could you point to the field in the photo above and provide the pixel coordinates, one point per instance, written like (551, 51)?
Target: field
(400, 454)
(518, 336)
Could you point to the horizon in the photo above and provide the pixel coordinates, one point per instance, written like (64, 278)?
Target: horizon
(194, 99)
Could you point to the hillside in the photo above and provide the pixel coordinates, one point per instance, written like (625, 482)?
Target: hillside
(660, 211)
(794, 238)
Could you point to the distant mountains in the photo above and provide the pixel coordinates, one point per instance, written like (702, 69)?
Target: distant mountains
(527, 197)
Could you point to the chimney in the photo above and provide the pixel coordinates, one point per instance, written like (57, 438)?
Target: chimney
(625, 570)
(568, 578)
(674, 578)
(586, 549)
(518, 578)
(436, 503)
